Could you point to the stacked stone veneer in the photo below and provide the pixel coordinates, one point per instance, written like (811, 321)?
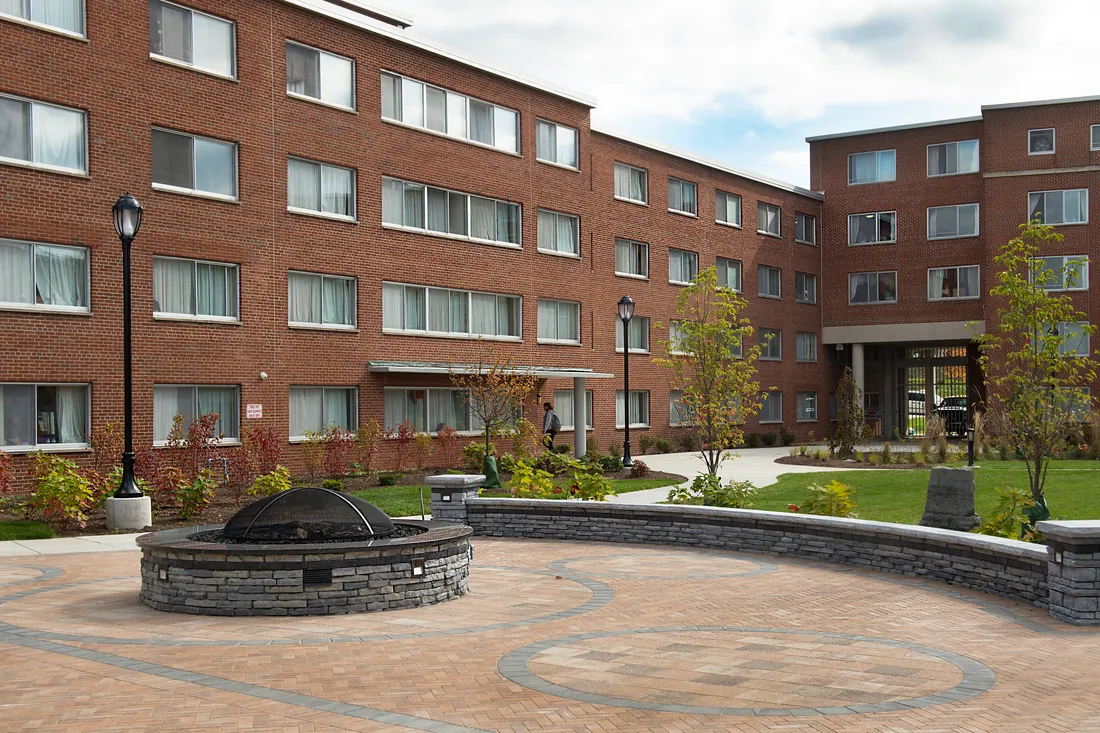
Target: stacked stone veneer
(183, 575)
(1073, 552)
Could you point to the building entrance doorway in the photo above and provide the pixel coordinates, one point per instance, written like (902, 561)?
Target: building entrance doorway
(932, 383)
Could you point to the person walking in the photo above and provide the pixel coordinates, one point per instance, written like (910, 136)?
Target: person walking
(550, 425)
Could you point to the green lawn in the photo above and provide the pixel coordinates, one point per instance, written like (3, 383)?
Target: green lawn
(404, 501)
(24, 531)
(1072, 490)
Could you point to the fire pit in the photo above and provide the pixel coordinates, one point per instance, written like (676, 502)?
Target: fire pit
(304, 552)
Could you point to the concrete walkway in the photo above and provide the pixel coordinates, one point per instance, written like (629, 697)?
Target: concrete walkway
(66, 545)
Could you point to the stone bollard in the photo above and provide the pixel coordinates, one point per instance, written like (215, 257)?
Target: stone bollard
(1073, 570)
(449, 494)
(950, 503)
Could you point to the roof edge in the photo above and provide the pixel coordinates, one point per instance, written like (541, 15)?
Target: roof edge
(358, 6)
(706, 162)
(1042, 102)
(895, 128)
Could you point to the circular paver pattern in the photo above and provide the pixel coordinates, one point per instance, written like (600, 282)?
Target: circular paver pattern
(12, 574)
(664, 566)
(745, 671)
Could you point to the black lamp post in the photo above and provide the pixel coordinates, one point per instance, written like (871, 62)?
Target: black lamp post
(127, 213)
(626, 312)
(970, 446)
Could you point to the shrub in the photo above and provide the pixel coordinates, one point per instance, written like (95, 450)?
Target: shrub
(920, 458)
(687, 444)
(191, 447)
(611, 464)
(752, 440)
(639, 470)
(530, 482)
(338, 445)
(851, 422)
(644, 444)
(822, 454)
(507, 463)
(367, 439)
(107, 443)
(785, 437)
(1008, 519)
(874, 459)
(113, 479)
(260, 452)
(802, 450)
(615, 451)
(555, 464)
(662, 445)
(563, 449)
(834, 499)
(271, 483)
(194, 497)
(524, 436)
(590, 486)
(708, 490)
(888, 455)
(473, 456)
(5, 472)
(61, 493)
(421, 449)
(313, 453)
(332, 484)
(388, 478)
(402, 438)
(769, 439)
(447, 438)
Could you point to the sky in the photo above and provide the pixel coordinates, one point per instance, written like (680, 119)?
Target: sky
(746, 81)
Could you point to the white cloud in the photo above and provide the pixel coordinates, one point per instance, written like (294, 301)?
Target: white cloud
(790, 165)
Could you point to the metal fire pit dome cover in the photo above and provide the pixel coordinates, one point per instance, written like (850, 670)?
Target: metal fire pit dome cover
(309, 515)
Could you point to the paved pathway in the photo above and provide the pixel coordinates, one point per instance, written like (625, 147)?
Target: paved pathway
(65, 545)
(554, 636)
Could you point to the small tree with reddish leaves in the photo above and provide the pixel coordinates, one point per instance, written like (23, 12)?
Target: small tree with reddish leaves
(448, 446)
(313, 453)
(107, 444)
(421, 449)
(191, 447)
(259, 453)
(338, 446)
(5, 473)
(402, 438)
(367, 439)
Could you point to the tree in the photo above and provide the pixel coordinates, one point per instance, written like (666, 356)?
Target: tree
(851, 423)
(712, 366)
(1035, 396)
(494, 389)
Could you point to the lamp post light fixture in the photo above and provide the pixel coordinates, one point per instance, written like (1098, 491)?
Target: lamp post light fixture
(127, 214)
(970, 446)
(626, 312)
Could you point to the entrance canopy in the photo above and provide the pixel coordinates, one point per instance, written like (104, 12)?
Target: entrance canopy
(429, 367)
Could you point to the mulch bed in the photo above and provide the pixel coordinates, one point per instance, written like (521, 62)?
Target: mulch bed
(844, 465)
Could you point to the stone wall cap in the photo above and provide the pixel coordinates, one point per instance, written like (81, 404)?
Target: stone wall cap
(949, 469)
(455, 481)
(1070, 529)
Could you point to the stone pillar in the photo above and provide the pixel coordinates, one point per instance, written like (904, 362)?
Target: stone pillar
(857, 366)
(950, 503)
(1073, 570)
(449, 495)
(580, 413)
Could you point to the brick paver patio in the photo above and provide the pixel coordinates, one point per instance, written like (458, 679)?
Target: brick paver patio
(554, 636)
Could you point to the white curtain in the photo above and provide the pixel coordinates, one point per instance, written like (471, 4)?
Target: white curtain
(567, 146)
(675, 194)
(215, 167)
(338, 301)
(447, 407)
(935, 283)
(886, 166)
(393, 193)
(17, 415)
(221, 401)
(456, 214)
(507, 223)
(435, 109)
(391, 97)
(16, 273)
(303, 184)
(306, 411)
(304, 295)
(943, 221)
(689, 197)
(12, 7)
(66, 14)
(968, 282)
(60, 276)
(213, 44)
(548, 319)
(968, 156)
(173, 286)
(13, 128)
(393, 408)
(393, 301)
(169, 401)
(482, 218)
(568, 321)
(415, 308)
(212, 293)
(437, 210)
(338, 408)
(481, 122)
(338, 190)
(302, 71)
(504, 126)
(483, 314)
(58, 136)
(412, 102)
(456, 115)
(414, 205)
(447, 311)
(546, 146)
(563, 405)
(862, 168)
(548, 231)
(638, 184)
(337, 84)
(622, 180)
(568, 234)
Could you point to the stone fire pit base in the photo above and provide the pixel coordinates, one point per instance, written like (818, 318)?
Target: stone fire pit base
(221, 579)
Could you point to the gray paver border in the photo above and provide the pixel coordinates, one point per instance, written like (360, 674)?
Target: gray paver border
(46, 572)
(977, 678)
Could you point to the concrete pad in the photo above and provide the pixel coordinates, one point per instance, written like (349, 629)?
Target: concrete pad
(11, 548)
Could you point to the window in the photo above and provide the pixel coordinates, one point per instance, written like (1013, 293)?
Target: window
(62, 15)
(729, 274)
(769, 281)
(771, 344)
(805, 228)
(1095, 132)
(683, 266)
(316, 409)
(559, 233)
(728, 208)
(559, 321)
(873, 167)
(556, 143)
(321, 300)
(639, 409)
(676, 412)
(805, 346)
(44, 416)
(1054, 273)
(319, 75)
(1076, 401)
(946, 222)
(428, 410)
(191, 38)
(444, 312)
(42, 135)
(767, 219)
(43, 276)
(631, 184)
(194, 164)
(639, 334)
(416, 206)
(874, 228)
(805, 287)
(194, 289)
(807, 407)
(953, 283)
(429, 107)
(681, 196)
(771, 407)
(1059, 207)
(631, 258)
(191, 402)
(320, 188)
(1075, 340)
(1040, 142)
(563, 405)
(872, 287)
(676, 338)
(948, 159)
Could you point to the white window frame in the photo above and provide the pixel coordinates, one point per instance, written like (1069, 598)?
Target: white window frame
(321, 183)
(778, 219)
(1066, 261)
(958, 274)
(1094, 138)
(190, 64)
(52, 447)
(760, 280)
(956, 143)
(1053, 141)
(808, 397)
(683, 184)
(35, 306)
(634, 243)
(740, 273)
(228, 441)
(170, 316)
(958, 217)
(675, 418)
(645, 172)
(875, 214)
(324, 425)
(876, 273)
(1063, 191)
(681, 253)
(83, 34)
(878, 166)
(194, 169)
(633, 348)
(725, 196)
(766, 398)
(469, 212)
(626, 409)
(674, 338)
(318, 100)
(83, 172)
(557, 304)
(798, 295)
(557, 131)
(468, 334)
(557, 252)
(589, 407)
(798, 350)
(354, 326)
(1087, 340)
(812, 221)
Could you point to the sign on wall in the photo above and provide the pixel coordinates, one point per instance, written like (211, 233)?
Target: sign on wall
(254, 412)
